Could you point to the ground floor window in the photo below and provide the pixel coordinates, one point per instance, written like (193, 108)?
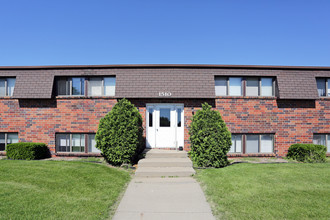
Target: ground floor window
(322, 139)
(252, 143)
(7, 138)
(76, 143)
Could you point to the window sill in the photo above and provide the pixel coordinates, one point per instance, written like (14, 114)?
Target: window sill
(85, 97)
(77, 154)
(246, 97)
(6, 97)
(324, 97)
(251, 155)
(3, 153)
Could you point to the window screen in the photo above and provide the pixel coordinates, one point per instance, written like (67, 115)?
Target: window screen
(252, 87)
(220, 86)
(109, 86)
(235, 86)
(252, 143)
(95, 87)
(266, 87)
(92, 144)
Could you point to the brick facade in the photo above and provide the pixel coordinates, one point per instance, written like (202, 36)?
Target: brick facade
(292, 121)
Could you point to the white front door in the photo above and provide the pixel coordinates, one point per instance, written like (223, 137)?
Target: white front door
(165, 125)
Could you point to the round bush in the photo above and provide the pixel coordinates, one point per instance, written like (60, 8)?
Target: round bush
(210, 139)
(119, 136)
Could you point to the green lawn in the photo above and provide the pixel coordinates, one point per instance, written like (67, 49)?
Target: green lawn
(58, 189)
(268, 191)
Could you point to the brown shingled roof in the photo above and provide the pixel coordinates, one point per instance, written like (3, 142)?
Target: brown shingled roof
(183, 81)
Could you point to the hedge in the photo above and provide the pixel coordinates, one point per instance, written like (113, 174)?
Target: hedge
(27, 151)
(310, 153)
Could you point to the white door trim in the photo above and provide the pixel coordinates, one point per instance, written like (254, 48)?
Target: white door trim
(172, 136)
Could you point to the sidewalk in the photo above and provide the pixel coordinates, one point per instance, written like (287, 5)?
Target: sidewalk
(163, 198)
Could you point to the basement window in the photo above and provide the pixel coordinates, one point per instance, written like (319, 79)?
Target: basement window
(252, 143)
(322, 139)
(7, 86)
(7, 138)
(76, 143)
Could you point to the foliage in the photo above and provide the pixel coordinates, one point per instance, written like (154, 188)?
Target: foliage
(119, 136)
(310, 153)
(42, 189)
(27, 151)
(210, 138)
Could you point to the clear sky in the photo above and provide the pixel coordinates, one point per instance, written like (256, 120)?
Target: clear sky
(264, 32)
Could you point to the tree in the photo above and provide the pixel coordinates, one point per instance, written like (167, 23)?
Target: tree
(119, 136)
(210, 138)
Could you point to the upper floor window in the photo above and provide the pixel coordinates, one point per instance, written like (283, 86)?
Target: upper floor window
(322, 139)
(7, 86)
(323, 86)
(7, 138)
(249, 86)
(101, 86)
(71, 86)
(94, 86)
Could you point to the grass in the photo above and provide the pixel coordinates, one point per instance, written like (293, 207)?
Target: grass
(268, 191)
(58, 189)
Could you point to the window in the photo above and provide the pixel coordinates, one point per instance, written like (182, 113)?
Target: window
(179, 117)
(322, 139)
(76, 143)
(7, 86)
(235, 86)
(249, 86)
(165, 117)
(252, 143)
(7, 138)
(71, 86)
(101, 86)
(96, 86)
(323, 86)
(236, 143)
(151, 111)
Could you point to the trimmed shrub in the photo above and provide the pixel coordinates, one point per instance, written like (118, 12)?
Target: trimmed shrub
(119, 136)
(310, 153)
(27, 151)
(210, 138)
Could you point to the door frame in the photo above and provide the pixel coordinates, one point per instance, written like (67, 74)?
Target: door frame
(150, 132)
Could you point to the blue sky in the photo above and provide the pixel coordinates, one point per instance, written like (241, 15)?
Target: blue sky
(278, 32)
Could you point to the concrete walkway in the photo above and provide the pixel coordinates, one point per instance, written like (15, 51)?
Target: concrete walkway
(152, 197)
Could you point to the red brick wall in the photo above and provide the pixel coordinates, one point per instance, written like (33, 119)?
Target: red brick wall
(291, 121)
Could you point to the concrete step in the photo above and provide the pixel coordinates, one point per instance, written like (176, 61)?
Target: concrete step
(155, 153)
(165, 162)
(164, 171)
